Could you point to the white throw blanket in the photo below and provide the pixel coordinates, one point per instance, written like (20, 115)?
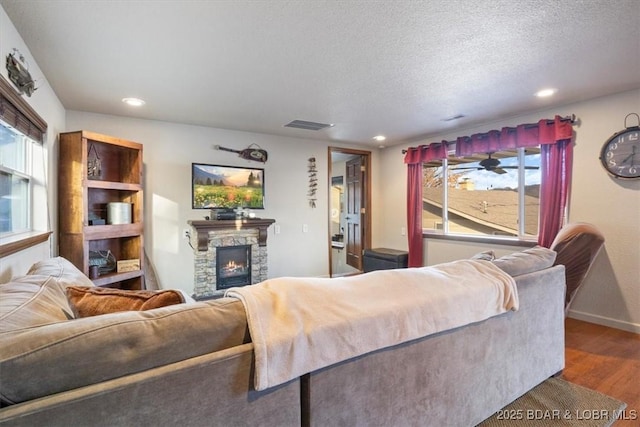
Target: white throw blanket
(299, 325)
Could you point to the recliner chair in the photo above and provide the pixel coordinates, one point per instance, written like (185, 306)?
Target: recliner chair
(577, 245)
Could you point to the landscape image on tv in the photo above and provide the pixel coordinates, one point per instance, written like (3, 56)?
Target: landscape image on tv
(220, 187)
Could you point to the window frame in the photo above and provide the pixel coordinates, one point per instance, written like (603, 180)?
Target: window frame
(521, 240)
(25, 174)
(16, 112)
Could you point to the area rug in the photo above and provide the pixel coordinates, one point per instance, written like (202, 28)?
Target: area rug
(557, 402)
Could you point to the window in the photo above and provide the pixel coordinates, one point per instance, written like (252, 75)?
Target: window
(16, 180)
(24, 214)
(497, 194)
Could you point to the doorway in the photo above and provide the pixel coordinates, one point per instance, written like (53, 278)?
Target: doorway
(349, 209)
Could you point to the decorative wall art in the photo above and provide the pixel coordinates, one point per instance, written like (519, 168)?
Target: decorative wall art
(313, 182)
(18, 72)
(252, 152)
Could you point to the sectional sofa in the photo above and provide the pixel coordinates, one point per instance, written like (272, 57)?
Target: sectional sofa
(193, 364)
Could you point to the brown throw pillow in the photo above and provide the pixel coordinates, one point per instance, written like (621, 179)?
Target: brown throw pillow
(94, 301)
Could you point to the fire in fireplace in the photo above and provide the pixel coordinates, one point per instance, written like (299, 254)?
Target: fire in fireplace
(233, 266)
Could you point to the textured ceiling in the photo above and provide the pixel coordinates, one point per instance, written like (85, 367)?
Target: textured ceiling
(396, 68)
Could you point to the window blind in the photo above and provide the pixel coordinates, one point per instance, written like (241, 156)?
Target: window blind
(16, 112)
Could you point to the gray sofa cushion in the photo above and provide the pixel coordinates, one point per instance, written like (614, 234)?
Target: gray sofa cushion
(42, 352)
(39, 298)
(31, 301)
(48, 359)
(487, 255)
(526, 261)
(62, 270)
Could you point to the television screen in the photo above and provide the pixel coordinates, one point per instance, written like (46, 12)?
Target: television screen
(225, 187)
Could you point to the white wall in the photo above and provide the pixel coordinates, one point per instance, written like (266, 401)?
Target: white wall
(610, 296)
(169, 149)
(611, 293)
(45, 102)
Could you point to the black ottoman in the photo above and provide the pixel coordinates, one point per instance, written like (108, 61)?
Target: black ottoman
(384, 259)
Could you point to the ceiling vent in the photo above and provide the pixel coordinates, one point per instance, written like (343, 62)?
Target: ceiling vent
(302, 124)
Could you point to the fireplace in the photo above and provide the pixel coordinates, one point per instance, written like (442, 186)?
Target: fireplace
(233, 266)
(228, 253)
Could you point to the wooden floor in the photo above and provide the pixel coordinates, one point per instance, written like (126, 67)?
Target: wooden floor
(606, 360)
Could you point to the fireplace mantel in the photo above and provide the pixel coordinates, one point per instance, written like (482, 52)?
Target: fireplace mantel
(203, 227)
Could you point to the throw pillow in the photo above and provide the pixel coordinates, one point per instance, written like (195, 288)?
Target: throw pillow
(94, 301)
(487, 255)
(62, 270)
(526, 261)
(31, 301)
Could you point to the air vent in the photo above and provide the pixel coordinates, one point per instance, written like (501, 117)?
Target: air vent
(302, 124)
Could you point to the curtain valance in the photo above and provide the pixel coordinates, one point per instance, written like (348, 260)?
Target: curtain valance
(546, 131)
(426, 153)
(522, 136)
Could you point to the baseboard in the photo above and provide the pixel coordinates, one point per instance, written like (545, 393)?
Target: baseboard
(605, 321)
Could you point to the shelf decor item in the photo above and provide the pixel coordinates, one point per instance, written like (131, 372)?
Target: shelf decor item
(105, 261)
(126, 265)
(119, 213)
(94, 164)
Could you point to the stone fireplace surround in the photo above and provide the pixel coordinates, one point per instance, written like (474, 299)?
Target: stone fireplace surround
(209, 235)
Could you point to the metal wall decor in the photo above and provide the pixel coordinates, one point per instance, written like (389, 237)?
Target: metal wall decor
(253, 152)
(18, 72)
(313, 182)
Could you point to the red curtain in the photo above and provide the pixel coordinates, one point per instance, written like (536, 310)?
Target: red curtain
(555, 166)
(554, 137)
(414, 158)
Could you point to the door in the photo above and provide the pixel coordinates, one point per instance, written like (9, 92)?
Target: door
(353, 186)
(349, 185)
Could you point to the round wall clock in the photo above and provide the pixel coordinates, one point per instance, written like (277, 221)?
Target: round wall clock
(620, 154)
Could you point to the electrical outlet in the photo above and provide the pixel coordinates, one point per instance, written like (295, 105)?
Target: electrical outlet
(403, 231)
(305, 228)
(186, 233)
(276, 229)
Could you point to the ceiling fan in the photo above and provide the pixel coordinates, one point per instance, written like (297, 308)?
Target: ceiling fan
(493, 165)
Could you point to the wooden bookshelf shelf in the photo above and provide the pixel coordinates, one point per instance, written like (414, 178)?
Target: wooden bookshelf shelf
(85, 193)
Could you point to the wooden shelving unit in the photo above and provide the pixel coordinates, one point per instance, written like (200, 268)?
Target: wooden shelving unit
(82, 198)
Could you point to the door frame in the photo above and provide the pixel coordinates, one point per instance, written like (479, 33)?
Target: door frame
(365, 199)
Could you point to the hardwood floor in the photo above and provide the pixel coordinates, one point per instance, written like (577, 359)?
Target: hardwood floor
(607, 360)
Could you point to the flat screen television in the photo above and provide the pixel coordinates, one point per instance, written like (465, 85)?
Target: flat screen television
(226, 187)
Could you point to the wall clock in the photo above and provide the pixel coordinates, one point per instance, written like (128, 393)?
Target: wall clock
(620, 154)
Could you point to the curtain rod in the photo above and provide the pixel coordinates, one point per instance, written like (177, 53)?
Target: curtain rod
(571, 118)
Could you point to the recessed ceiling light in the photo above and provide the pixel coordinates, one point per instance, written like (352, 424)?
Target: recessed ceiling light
(379, 137)
(545, 92)
(134, 102)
